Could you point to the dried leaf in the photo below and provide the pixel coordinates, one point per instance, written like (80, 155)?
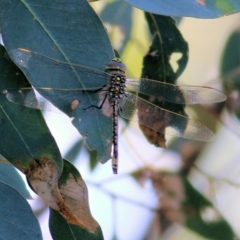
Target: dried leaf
(156, 138)
(68, 195)
(171, 195)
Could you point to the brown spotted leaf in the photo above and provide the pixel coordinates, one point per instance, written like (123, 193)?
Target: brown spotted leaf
(166, 40)
(68, 194)
(75, 194)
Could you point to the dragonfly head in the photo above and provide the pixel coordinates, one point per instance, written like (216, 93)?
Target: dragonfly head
(116, 64)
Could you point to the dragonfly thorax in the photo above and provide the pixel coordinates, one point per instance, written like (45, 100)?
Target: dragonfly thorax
(116, 85)
(116, 79)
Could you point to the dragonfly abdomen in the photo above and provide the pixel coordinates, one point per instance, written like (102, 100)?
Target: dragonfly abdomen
(116, 91)
(115, 136)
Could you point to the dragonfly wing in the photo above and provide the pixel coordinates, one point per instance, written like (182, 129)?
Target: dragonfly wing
(29, 97)
(174, 93)
(201, 95)
(53, 73)
(163, 121)
(26, 98)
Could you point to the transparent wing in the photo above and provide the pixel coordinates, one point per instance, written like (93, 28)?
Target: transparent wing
(163, 121)
(84, 77)
(29, 97)
(174, 93)
(22, 57)
(96, 77)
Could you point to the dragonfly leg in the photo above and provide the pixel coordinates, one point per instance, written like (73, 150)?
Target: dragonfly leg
(94, 91)
(98, 107)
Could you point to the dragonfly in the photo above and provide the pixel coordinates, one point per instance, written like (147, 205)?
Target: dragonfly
(120, 96)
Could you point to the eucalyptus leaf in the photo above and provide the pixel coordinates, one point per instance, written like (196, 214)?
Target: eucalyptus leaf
(166, 40)
(26, 135)
(189, 8)
(17, 219)
(67, 32)
(10, 176)
(74, 192)
(202, 217)
(229, 70)
(75, 150)
(121, 22)
(61, 230)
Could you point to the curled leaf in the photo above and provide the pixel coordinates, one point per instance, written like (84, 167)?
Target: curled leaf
(67, 195)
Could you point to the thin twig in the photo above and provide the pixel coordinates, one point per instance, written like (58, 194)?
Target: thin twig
(114, 196)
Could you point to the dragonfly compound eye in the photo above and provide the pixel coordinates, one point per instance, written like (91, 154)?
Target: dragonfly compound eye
(116, 64)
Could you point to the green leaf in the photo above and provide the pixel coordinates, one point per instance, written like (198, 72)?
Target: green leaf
(167, 40)
(189, 8)
(61, 230)
(122, 21)
(92, 160)
(229, 69)
(17, 219)
(10, 176)
(230, 62)
(75, 150)
(26, 136)
(75, 195)
(67, 32)
(199, 211)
